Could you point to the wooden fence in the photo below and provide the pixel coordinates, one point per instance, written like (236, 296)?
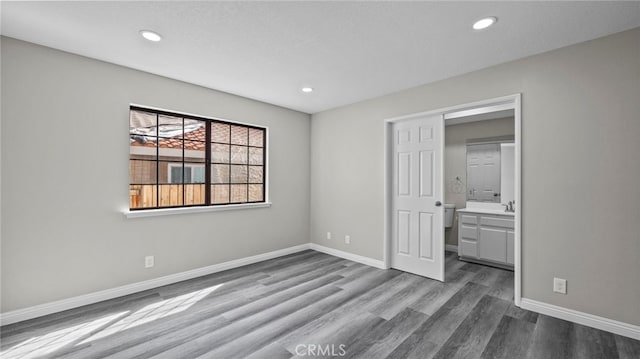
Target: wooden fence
(144, 196)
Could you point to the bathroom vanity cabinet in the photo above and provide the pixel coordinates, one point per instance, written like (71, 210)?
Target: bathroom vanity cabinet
(486, 237)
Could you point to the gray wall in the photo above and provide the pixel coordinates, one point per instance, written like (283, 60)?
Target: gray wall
(455, 159)
(65, 119)
(580, 195)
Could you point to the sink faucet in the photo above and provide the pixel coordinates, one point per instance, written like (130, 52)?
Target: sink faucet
(509, 207)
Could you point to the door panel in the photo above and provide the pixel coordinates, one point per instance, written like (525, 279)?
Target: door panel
(426, 133)
(404, 174)
(404, 136)
(426, 235)
(426, 173)
(417, 223)
(404, 228)
(483, 172)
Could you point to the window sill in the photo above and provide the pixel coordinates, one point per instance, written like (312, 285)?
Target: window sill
(171, 211)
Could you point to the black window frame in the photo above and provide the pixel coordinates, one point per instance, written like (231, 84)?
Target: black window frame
(208, 162)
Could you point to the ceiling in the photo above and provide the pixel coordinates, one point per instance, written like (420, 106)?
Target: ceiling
(346, 51)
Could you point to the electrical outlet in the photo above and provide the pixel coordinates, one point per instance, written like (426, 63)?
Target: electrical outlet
(149, 261)
(347, 239)
(328, 235)
(560, 285)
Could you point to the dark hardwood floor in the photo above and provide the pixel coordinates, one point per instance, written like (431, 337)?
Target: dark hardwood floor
(310, 304)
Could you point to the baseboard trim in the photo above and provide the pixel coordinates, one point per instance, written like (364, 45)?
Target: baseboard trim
(594, 321)
(451, 248)
(91, 298)
(350, 256)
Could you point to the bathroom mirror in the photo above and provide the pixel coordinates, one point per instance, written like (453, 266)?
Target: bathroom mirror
(491, 170)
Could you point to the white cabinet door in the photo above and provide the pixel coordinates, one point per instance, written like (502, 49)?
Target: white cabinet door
(493, 244)
(417, 221)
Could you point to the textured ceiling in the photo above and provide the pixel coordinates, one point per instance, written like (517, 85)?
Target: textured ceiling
(346, 51)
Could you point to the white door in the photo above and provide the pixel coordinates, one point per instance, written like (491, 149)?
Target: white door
(483, 172)
(416, 209)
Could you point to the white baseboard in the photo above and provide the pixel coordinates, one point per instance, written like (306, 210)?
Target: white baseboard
(74, 302)
(451, 248)
(594, 321)
(350, 256)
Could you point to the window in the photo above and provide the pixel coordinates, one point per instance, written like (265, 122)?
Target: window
(193, 173)
(178, 160)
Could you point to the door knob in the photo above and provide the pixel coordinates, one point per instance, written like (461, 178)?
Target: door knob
(438, 203)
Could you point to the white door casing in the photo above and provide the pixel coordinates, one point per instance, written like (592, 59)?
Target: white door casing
(451, 113)
(417, 231)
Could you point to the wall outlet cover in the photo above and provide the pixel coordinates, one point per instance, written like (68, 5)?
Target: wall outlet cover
(328, 235)
(347, 239)
(560, 285)
(149, 261)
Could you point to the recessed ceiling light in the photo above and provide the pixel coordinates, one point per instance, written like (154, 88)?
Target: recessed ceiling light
(484, 23)
(150, 35)
(307, 89)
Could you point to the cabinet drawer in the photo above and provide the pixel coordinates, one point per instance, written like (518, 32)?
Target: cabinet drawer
(493, 244)
(468, 219)
(496, 222)
(469, 232)
(468, 248)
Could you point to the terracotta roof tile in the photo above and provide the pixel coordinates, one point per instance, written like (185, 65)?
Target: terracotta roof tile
(176, 142)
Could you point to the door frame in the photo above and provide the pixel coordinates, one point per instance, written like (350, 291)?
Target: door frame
(510, 102)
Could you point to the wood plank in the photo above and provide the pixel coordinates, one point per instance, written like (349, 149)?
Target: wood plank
(590, 343)
(473, 334)
(379, 341)
(627, 348)
(22, 331)
(503, 286)
(273, 331)
(189, 195)
(427, 339)
(328, 264)
(471, 267)
(282, 328)
(440, 293)
(200, 345)
(164, 343)
(511, 339)
(341, 333)
(269, 289)
(517, 313)
(269, 301)
(550, 339)
(403, 298)
(271, 351)
(359, 296)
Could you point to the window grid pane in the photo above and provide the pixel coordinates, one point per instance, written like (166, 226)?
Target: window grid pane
(180, 160)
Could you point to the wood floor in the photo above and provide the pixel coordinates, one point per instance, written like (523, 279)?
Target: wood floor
(311, 304)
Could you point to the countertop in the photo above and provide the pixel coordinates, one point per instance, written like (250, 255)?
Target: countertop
(499, 212)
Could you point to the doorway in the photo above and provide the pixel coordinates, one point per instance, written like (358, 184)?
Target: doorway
(395, 240)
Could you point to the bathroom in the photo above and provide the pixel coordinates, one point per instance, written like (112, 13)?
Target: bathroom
(479, 171)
